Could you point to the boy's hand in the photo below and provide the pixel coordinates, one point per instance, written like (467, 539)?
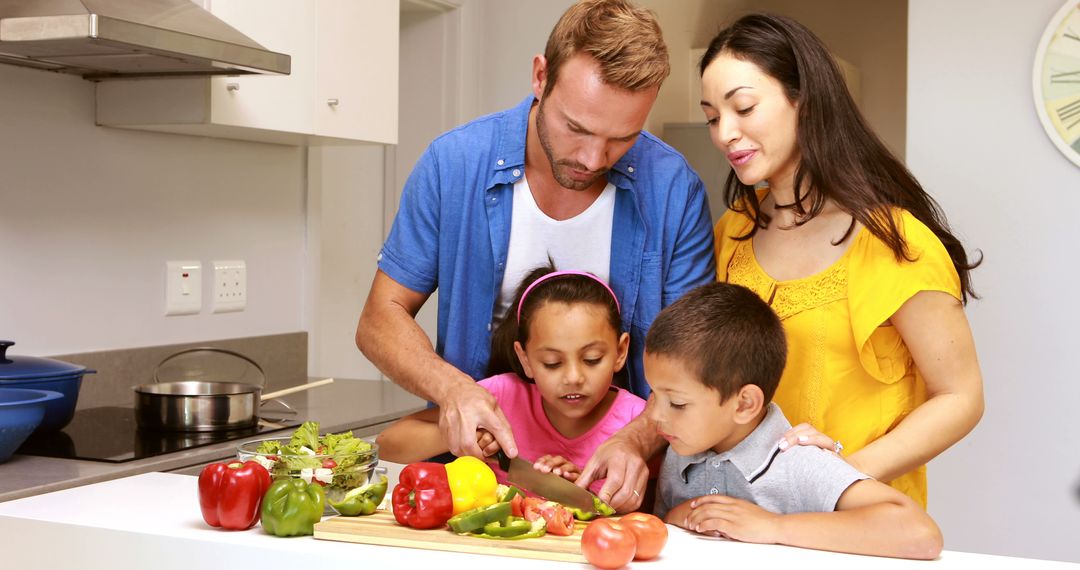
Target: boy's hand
(558, 465)
(732, 518)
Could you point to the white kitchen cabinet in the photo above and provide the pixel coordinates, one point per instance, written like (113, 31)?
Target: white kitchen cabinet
(343, 86)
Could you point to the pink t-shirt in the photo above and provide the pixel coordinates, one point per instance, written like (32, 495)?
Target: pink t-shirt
(522, 405)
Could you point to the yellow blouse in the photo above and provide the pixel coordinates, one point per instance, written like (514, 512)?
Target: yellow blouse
(848, 372)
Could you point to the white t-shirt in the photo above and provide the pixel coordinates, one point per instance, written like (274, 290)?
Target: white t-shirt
(581, 243)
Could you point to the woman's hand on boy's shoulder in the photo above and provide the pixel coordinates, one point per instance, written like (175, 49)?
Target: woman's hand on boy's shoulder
(558, 465)
(728, 517)
(806, 434)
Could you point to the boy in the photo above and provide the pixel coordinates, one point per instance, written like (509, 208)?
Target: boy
(713, 360)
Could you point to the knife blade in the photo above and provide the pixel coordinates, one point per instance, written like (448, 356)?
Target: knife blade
(547, 485)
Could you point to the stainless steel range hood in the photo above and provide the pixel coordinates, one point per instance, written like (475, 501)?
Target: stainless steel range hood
(103, 39)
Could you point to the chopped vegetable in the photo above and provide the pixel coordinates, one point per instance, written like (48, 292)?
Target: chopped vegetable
(506, 493)
(362, 500)
(301, 457)
(475, 519)
(515, 528)
(600, 509)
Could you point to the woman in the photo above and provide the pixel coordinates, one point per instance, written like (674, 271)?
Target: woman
(845, 245)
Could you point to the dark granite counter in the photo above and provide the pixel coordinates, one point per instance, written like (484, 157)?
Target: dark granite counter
(363, 406)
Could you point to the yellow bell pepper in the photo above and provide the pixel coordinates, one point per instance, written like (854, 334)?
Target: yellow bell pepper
(472, 483)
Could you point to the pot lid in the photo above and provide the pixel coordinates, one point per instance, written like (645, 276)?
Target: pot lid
(33, 367)
(209, 364)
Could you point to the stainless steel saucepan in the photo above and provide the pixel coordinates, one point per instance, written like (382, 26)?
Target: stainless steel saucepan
(202, 405)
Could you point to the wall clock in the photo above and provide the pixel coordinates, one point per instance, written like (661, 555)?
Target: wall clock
(1056, 78)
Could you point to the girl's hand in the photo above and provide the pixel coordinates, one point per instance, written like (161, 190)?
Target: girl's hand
(558, 465)
(806, 434)
(486, 442)
(727, 517)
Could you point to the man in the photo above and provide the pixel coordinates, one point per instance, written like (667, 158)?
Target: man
(569, 174)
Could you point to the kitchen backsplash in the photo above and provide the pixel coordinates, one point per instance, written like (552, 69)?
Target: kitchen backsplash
(283, 358)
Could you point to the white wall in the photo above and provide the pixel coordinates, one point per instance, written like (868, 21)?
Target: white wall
(876, 49)
(89, 215)
(345, 230)
(976, 144)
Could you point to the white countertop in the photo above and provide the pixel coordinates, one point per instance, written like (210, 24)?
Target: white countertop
(152, 520)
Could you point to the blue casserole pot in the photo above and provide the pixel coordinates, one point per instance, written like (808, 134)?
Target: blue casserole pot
(38, 373)
(20, 412)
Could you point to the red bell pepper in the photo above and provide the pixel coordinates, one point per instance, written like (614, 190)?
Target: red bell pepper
(230, 494)
(422, 497)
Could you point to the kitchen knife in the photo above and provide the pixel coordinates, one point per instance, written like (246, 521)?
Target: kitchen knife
(547, 485)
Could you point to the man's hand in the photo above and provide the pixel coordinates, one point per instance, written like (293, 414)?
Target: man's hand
(558, 465)
(720, 515)
(470, 407)
(622, 462)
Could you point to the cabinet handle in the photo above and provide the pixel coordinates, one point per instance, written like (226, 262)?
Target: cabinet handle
(232, 86)
(332, 102)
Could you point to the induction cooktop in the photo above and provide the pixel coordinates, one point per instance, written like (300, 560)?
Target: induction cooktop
(110, 434)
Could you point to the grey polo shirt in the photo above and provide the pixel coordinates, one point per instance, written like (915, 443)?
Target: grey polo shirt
(801, 479)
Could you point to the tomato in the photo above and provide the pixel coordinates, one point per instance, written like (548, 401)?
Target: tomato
(531, 507)
(516, 506)
(560, 521)
(608, 544)
(650, 532)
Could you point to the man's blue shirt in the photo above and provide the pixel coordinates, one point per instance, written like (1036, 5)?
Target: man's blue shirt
(452, 231)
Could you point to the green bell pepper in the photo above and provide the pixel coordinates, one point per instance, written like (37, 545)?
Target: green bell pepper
(508, 528)
(475, 519)
(362, 500)
(291, 507)
(514, 528)
(600, 509)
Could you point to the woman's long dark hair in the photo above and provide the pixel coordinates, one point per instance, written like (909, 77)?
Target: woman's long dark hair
(841, 159)
(567, 289)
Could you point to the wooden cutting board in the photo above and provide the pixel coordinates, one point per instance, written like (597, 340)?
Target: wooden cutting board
(381, 528)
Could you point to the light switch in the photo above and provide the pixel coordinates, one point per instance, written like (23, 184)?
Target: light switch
(230, 286)
(183, 287)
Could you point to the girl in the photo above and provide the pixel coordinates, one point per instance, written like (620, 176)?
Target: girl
(554, 356)
(828, 227)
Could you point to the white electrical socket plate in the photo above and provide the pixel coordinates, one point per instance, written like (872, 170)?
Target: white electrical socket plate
(183, 287)
(230, 286)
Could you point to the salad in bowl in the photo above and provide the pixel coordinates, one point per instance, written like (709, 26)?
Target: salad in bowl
(342, 463)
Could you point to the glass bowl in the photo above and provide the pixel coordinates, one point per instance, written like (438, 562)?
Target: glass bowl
(338, 473)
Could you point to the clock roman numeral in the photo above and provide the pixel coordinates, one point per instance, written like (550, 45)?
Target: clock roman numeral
(1069, 112)
(1065, 77)
(1069, 33)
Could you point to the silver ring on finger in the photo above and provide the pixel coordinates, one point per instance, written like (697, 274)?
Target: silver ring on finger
(838, 447)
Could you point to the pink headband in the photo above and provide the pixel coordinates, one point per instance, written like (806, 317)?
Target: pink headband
(554, 274)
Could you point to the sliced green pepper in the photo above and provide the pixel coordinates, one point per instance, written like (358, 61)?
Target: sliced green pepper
(475, 519)
(506, 493)
(514, 528)
(291, 507)
(363, 500)
(600, 509)
(508, 528)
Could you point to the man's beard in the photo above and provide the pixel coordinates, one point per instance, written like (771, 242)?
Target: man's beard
(559, 167)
